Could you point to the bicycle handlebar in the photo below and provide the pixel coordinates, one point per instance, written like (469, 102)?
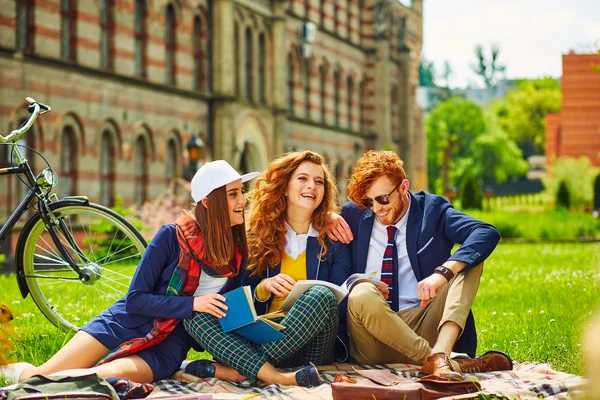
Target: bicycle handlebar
(36, 109)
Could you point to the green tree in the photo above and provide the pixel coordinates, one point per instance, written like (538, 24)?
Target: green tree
(488, 69)
(470, 192)
(563, 198)
(522, 114)
(426, 73)
(451, 128)
(496, 157)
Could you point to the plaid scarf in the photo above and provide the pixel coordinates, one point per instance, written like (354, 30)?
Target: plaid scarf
(183, 282)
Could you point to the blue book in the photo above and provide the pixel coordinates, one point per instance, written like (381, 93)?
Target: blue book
(241, 318)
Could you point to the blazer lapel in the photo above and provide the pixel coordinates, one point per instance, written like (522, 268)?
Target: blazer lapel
(413, 226)
(365, 227)
(312, 250)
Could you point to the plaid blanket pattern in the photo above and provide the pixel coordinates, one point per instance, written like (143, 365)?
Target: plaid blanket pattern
(526, 381)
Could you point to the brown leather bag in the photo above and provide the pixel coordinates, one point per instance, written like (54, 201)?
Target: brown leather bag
(382, 384)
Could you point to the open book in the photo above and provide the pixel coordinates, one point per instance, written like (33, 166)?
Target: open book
(241, 318)
(340, 291)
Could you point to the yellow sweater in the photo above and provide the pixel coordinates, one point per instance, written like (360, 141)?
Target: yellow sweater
(295, 269)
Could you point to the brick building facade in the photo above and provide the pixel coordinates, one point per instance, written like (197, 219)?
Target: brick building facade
(575, 131)
(130, 81)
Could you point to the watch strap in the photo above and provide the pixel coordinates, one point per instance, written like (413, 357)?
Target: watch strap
(445, 272)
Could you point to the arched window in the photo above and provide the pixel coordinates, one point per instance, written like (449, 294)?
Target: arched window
(362, 104)
(307, 88)
(107, 28)
(68, 167)
(348, 19)
(262, 72)
(24, 26)
(140, 37)
(171, 160)
(394, 112)
(349, 99)
(306, 9)
(337, 83)
(290, 82)
(170, 44)
(68, 29)
(107, 169)
(141, 170)
(198, 54)
(322, 93)
(248, 64)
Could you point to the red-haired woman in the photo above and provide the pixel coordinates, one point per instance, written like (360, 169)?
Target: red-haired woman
(292, 203)
(182, 271)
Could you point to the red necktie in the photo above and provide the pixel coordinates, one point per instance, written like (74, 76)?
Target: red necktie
(389, 267)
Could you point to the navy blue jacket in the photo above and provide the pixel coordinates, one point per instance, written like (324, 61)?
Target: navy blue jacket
(335, 268)
(433, 228)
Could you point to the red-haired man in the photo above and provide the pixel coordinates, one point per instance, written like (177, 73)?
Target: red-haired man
(406, 240)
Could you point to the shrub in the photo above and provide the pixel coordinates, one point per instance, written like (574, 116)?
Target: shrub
(578, 174)
(563, 197)
(597, 192)
(472, 195)
(508, 230)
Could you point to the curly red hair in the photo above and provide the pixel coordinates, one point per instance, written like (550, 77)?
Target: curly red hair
(371, 166)
(266, 231)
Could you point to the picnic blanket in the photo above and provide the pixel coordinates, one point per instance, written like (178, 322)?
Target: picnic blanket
(526, 381)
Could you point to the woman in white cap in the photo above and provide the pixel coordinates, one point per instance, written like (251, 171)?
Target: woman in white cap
(183, 270)
(291, 203)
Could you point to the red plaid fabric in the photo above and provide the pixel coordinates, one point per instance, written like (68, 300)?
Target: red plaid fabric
(389, 267)
(183, 282)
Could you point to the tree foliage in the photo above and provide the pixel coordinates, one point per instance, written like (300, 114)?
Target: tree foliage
(522, 114)
(452, 127)
(563, 198)
(470, 192)
(488, 69)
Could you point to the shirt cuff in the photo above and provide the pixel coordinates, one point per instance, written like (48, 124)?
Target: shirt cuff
(261, 294)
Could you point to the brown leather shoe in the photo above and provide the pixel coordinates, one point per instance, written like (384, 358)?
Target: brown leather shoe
(488, 362)
(439, 364)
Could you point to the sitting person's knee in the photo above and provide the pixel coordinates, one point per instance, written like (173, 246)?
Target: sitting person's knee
(322, 294)
(362, 293)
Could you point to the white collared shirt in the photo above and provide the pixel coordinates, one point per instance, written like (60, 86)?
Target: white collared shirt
(407, 282)
(295, 244)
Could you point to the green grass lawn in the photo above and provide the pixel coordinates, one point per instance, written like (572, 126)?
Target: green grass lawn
(533, 302)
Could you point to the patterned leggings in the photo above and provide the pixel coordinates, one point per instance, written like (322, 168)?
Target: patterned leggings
(310, 333)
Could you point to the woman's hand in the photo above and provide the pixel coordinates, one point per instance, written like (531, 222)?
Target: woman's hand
(212, 303)
(280, 285)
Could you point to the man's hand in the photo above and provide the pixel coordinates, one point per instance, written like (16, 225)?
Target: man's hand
(339, 229)
(280, 285)
(212, 303)
(428, 288)
(384, 291)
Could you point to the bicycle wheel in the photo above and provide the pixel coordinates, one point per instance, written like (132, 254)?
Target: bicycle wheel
(110, 249)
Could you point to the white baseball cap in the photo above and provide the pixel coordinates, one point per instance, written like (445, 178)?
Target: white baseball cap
(213, 175)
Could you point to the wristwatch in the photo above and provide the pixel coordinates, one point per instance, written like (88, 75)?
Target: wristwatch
(445, 272)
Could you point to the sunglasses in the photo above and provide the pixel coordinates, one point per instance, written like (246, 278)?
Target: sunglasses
(384, 199)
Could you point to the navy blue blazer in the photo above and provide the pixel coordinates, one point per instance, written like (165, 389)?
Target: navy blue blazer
(433, 228)
(335, 268)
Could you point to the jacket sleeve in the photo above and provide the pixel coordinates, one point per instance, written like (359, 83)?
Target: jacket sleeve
(341, 264)
(477, 238)
(141, 299)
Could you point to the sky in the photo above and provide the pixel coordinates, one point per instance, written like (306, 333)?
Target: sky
(532, 34)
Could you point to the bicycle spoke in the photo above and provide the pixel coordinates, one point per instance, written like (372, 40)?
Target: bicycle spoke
(112, 254)
(50, 247)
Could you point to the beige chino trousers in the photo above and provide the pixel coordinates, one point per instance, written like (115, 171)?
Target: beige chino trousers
(379, 335)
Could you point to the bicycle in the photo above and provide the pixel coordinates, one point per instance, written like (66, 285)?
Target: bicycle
(74, 257)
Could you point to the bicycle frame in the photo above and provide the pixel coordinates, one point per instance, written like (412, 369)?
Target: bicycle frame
(53, 223)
